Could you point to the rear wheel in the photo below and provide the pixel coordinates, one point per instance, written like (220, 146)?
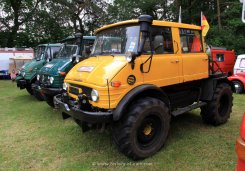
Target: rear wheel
(143, 130)
(218, 110)
(50, 100)
(238, 87)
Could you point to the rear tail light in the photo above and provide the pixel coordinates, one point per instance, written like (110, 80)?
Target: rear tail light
(242, 133)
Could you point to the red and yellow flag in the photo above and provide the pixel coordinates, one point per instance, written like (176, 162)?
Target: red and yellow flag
(205, 26)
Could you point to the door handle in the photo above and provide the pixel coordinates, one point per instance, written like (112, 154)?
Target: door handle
(175, 61)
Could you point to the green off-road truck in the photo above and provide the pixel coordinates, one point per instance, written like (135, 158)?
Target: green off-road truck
(51, 76)
(28, 73)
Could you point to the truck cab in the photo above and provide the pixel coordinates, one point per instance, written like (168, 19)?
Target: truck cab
(28, 73)
(140, 74)
(51, 76)
(223, 58)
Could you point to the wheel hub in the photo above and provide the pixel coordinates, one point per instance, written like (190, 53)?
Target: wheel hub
(148, 129)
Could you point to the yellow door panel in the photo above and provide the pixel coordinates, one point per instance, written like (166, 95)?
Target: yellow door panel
(165, 69)
(195, 66)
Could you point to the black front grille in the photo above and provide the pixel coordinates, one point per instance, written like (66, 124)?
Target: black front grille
(73, 90)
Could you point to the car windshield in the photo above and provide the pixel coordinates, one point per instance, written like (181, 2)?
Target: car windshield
(67, 51)
(39, 54)
(116, 40)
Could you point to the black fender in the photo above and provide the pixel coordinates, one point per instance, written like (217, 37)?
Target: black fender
(147, 90)
(209, 85)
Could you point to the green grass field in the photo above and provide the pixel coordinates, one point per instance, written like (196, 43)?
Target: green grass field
(33, 136)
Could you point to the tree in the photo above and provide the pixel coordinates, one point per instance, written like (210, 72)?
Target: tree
(15, 14)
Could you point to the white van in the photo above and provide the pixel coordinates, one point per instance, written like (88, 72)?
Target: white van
(240, 64)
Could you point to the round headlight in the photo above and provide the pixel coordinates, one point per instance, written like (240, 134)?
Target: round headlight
(38, 77)
(51, 80)
(95, 95)
(23, 74)
(65, 86)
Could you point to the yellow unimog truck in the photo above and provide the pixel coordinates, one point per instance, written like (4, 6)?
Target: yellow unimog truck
(140, 73)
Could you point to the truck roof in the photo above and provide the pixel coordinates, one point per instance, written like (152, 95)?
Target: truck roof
(73, 37)
(51, 44)
(155, 23)
(241, 56)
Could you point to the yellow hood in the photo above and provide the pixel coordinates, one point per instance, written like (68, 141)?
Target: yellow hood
(95, 70)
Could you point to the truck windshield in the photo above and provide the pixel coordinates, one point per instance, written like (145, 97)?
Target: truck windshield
(40, 52)
(116, 40)
(67, 51)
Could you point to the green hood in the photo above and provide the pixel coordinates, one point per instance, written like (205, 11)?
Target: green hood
(29, 70)
(55, 66)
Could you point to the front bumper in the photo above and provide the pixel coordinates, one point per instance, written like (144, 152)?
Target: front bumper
(51, 91)
(240, 151)
(22, 83)
(90, 117)
(36, 87)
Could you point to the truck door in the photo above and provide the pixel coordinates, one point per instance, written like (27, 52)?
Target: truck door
(165, 66)
(195, 61)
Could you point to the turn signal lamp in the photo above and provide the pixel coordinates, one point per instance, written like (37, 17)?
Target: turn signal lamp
(116, 84)
(62, 73)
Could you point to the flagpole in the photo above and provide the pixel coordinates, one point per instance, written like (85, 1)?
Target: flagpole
(201, 17)
(180, 20)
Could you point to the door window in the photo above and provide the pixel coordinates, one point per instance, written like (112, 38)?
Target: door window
(242, 63)
(190, 41)
(220, 58)
(161, 39)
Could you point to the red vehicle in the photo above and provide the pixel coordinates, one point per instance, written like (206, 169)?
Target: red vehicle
(224, 60)
(240, 148)
(238, 81)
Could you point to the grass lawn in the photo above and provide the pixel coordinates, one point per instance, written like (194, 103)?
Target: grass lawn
(33, 136)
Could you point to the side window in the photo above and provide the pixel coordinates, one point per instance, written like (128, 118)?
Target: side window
(161, 39)
(220, 58)
(47, 53)
(242, 63)
(54, 51)
(190, 41)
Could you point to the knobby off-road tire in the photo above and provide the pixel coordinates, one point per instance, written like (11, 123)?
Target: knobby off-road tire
(238, 87)
(49, 100)
(29, 90)
(143, 130)
(218, 110)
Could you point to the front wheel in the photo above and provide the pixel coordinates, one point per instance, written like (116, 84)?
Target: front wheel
(50, 100)
(29, 90)
(218, 111)
(238, 87)
(144, 129)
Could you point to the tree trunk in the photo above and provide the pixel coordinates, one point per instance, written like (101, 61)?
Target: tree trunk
(218, 14)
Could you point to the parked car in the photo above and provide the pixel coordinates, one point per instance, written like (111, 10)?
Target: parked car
(239, 82)
(240, 147)
(240, 64)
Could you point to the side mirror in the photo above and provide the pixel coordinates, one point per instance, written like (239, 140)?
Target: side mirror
(76, 58)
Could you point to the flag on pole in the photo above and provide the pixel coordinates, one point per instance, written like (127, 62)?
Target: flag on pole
(204, 25)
